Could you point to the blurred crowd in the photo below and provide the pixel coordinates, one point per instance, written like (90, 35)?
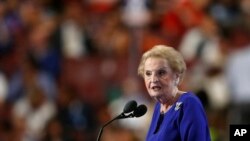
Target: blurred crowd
(69, 66)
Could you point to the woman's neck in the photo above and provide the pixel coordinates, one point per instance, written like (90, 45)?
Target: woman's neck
(166, 106)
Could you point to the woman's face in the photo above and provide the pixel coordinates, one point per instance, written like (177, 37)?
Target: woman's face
(159, 79)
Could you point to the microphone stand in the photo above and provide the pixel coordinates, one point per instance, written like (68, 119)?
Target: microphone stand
(121, 116)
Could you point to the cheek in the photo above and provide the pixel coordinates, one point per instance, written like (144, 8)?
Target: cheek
(146, 82)
(167, 83)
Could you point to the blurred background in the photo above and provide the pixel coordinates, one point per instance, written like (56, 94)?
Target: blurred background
(69, 66)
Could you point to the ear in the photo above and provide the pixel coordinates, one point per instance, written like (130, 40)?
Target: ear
(177, 79)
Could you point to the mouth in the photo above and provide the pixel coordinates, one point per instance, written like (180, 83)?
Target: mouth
(156, 88)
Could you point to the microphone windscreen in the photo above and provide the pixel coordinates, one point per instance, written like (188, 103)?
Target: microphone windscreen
(140, 111)
(130, 106)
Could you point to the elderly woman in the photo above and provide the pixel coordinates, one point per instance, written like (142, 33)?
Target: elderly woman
(178, 115)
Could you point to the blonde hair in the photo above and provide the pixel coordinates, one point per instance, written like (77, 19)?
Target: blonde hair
(173, 57)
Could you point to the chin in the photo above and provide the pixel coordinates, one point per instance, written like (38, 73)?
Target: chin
(155, 95)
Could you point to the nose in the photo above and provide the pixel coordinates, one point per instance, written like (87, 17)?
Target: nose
(154, 78)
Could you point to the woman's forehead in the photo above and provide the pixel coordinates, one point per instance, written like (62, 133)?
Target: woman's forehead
(156, 62)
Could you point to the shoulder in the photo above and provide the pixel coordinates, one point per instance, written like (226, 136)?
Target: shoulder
(188, 96)
(190, 99)
(191, 107)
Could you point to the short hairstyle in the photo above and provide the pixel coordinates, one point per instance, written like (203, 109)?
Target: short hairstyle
(173, 57)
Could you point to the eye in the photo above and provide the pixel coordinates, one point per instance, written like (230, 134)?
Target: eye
(162, 72)
(148, 73)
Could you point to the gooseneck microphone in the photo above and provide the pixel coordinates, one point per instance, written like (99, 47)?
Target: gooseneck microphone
(130, 106)
(130, 110)
(140, 111)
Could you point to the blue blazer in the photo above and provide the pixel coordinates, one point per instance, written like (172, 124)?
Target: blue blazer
(185, 121)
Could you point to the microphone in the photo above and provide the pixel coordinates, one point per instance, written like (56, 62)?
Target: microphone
(140, 111)
(130, 106)
(130, 110)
